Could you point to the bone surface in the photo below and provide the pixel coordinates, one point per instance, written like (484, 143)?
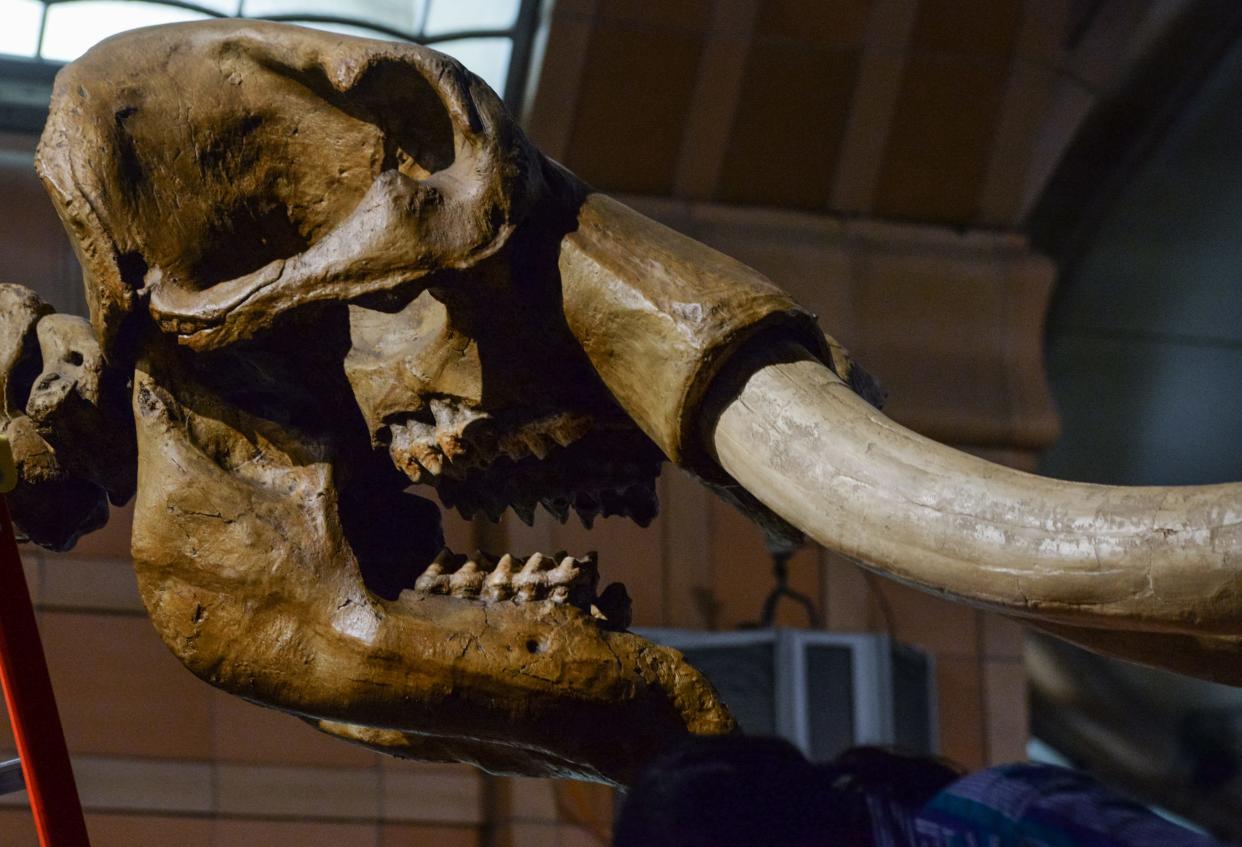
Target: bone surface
(332, 267)
(334, 275)
(1156, 567)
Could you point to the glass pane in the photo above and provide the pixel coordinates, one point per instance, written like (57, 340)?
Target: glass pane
(402, 15)
(19, 34)
(485, 57)
(220, 7)
(346, 29)
(447, 16)
(73, 28)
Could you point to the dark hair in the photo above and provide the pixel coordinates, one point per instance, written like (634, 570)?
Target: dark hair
(738, 792)
(906, 779)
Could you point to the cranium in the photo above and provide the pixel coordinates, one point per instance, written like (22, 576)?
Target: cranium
(335, 267)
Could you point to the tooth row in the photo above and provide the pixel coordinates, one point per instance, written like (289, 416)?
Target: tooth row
(637, 501)
(558, 579)
(462, 438)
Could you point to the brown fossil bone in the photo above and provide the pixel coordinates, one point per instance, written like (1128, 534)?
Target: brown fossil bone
(335, 266)
(66, 416)
(334, 275)
(1150, 574)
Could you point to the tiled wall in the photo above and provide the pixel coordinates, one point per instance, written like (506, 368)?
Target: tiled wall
(162, 758)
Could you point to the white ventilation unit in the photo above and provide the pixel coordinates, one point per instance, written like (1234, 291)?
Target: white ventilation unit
(823, 691)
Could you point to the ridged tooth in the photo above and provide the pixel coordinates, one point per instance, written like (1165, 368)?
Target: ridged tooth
(499, 583)
(565, 431)
(536, 443)
(566, 572)
(612, 502)
(525, 511)
(587, 508)
(561, 436)
(467, 581)
(416, 473)
(514, 447)
(531, 583)
(481, 436)
(432, 580)
(433, 462)
(450, 445)
(494, 509)
(558, 507)
(642, 503)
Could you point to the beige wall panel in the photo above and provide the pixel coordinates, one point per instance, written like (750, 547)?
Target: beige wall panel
(410, 835)
(683, 14)
(929, 325)
(848, 602)
(941, 136)
(34, 250)
(431, 793)
(248, 734)
(942, 628)
(881, 70)
(253, 833)
(807, 90)
(628, 137)
(270, 791)
(549, 115)
(121, 691)
(1003, 638)
(110, 542)
(140, 830)
(687, 562)
(1028, 284)
(17, 828)
(742, 571)
(709, 122)
(959, 683)
(1007, 716)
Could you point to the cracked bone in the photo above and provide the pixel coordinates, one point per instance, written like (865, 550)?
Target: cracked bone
(360, 230)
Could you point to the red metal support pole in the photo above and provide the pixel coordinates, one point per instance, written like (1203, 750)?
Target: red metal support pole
(31, 703)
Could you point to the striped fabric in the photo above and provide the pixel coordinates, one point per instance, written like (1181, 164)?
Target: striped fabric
(1027, 805)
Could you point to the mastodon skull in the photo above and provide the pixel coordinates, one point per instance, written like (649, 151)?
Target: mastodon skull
(334, 267)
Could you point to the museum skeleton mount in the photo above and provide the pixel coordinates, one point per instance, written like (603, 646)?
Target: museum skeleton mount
(321, 269)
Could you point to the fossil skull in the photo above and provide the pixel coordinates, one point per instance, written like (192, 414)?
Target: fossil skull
(334, 267)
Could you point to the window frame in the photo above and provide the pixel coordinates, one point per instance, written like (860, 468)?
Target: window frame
(26, 83)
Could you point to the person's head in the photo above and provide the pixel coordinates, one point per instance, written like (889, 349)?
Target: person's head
(735, 792)
(905, 779)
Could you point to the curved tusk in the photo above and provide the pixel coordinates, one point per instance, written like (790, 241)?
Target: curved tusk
(1163, 559)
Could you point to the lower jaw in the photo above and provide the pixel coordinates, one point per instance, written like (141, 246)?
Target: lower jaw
(536, 689)
(252, 582)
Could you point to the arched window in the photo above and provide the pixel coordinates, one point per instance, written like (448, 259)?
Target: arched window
(491, 37)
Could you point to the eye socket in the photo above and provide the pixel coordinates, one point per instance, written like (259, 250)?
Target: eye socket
(251, 233)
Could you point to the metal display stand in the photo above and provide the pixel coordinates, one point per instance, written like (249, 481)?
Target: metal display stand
(42, 766)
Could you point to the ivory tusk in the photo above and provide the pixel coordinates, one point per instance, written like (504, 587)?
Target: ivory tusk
(1157, 559)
